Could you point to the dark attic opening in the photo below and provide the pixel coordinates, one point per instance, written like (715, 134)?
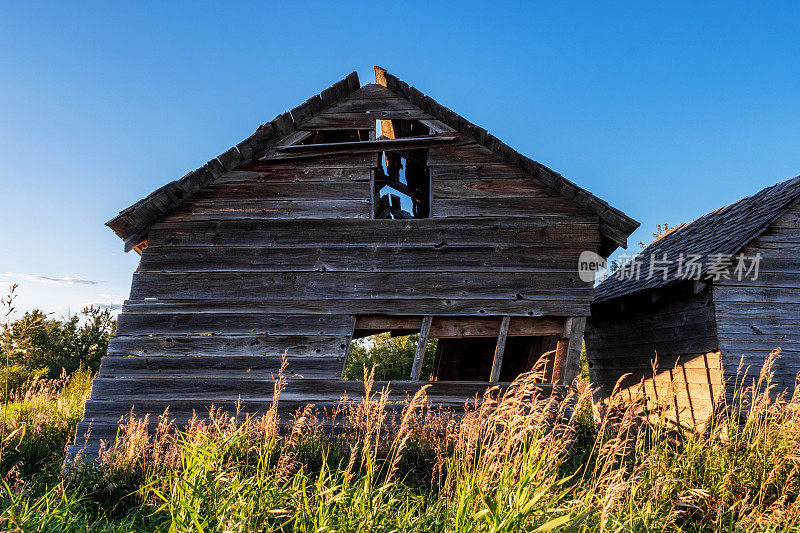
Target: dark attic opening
(402, 179)
(336, 136)
(450, 349)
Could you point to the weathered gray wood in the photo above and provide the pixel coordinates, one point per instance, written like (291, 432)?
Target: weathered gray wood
(295, 175)
(466, 154)
(299, 285)
(460, 327)
(649, 350)
(483, 171)
(425, 329)
(516, 206)
(295, 191)
(340, 121)
(233, 324)
(227, 366)
(228, 345)
(497, 363)
(571, 364)
(270, 209)
(647, 337)
(260, 389)
(496, 189)
(676, 329)
(753, 317)
(376, 145)
(363, 258)
(546, 303)
(694, 312)
(464, 231)
(319, 162)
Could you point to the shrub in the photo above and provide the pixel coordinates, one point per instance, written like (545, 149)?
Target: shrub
(14, 378)
(79, 341)
(391, 357)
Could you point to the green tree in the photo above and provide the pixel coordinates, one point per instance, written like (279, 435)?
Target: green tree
(35, 341)
(393, 355)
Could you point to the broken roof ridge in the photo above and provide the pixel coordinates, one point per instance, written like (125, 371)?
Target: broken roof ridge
(578, 195)
(133, 223)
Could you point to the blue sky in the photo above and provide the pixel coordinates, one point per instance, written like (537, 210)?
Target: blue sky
(665, 111)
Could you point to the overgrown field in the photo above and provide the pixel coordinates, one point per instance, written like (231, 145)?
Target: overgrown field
(516, 462)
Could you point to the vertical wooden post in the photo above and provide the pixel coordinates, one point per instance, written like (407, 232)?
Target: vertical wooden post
(347, 347)
(568, 351)
(424, 331)
(499, 349)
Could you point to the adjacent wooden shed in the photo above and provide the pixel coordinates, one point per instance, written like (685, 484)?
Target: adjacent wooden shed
(363, 210)
(724, 289)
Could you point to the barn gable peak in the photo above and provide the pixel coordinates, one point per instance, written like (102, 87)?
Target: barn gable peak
(133, 223)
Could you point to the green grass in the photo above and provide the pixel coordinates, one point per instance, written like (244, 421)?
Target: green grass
(513, 464)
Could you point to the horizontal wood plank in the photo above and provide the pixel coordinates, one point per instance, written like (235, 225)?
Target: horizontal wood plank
(216, 209)
(226, 366)
(233, 324)
(261, 389)
(333, 285)
(228, 345)
(418, 258)
(575, 303)
(560, 230)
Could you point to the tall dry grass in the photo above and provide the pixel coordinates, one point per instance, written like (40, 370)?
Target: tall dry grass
(515, 460)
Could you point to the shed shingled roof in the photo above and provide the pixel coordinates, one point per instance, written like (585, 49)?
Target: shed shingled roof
(724, 231)
(133, 223)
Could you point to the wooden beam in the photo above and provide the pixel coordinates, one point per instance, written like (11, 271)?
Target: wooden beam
(416, 367)
(568, 351)
(377, 145)
(444, 327)
(499, 349)
(399, 187)
(139, 248)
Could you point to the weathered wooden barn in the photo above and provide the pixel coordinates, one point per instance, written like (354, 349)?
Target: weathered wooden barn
(723, 289)
(365, 209)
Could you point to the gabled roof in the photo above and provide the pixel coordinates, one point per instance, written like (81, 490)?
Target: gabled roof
(133, 223)
(724, 231)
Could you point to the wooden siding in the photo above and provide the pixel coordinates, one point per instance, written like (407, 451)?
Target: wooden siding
(756, 316)
(281, 260)
(677, 331)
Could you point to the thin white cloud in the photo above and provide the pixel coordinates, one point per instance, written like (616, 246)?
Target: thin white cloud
(109, 307)
(45, 279)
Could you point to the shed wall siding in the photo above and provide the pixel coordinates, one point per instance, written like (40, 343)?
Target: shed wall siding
(677, 332)
(756, 316)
